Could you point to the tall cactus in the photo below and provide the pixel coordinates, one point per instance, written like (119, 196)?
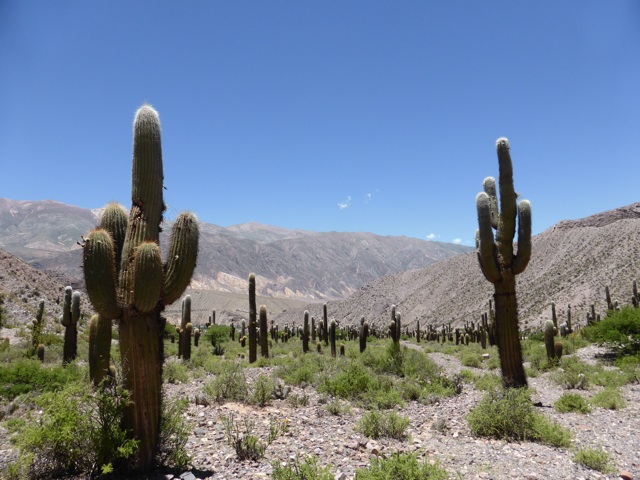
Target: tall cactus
(325, 324)
(253, 340)
(264, 332)
(332, 337)
(185, 329)
(305, 332)
(500, 264)
(137, 295)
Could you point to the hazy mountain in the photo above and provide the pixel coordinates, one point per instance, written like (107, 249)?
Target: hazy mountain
(293, 264)
(571, 264)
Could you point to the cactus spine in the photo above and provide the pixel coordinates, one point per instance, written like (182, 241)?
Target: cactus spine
(253, 340)
(99, 348)
(264, 332)
(500, 264)
(132, 296)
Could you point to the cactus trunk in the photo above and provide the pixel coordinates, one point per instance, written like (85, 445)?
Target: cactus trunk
(141, 350)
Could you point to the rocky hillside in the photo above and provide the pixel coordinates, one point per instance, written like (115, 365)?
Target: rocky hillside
(288, 263)
(571, 264)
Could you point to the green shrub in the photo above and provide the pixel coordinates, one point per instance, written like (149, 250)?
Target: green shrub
(619, 329)
(470, 358)
(229, 385)
(337, 408)
(609, 398)
(595, 459)
(174, 435)
(350, 383)
(375, 424)
(572, 402)
(28, 375)
(403, 466)
(78, 433)
(306, 469)
(217, 334)
(175, 371)
(487, 381)
(262, 391)
(247, 445)
(509, 414)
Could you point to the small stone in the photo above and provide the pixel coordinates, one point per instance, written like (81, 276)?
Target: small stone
(340, 476)
(625, 475)
(188, 476)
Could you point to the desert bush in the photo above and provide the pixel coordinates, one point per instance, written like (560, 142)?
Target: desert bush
(572, 402)
(619, 329)
(229, 385)
(509, 414)
(78, 433)
(174, 435)
(403, 466)
(26, 375)
(175, 371)
(306, 469)
(595, 459)
(337, 408)
(609, 398)
(247, 445)
(262, 391)
(375, 424)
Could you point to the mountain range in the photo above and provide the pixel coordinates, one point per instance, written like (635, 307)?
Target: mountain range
(357, 274)
(292, 264)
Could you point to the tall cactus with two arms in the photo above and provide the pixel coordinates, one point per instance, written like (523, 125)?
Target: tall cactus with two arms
(500, 264)
(145, 285)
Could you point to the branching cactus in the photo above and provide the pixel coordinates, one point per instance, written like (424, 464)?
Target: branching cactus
(99, 348)
(253, 328)
(264, 332)
(500, 263)
(144, 285)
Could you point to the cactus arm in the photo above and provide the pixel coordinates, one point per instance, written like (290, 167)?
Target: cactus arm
(114, 221)
(489, 185)
(66, 308)
(147, 277)
(523, 256)
(181, 259)
(507, 218)
(484, 239)
(99, 273)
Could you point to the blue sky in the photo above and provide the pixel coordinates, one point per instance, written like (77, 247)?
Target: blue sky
(352, 115)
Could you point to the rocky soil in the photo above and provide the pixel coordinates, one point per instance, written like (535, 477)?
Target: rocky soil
(437, 432)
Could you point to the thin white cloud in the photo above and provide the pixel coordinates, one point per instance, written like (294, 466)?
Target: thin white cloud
(431, 236)
(345, 204)
(457, 241)
(368, 197)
